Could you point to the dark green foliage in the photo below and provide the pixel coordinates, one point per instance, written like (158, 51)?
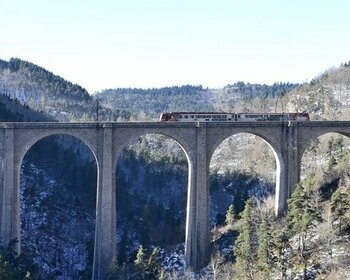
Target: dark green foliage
(265, 254)
(303, 209)
(304, 212)
(224, 186)
(116, 271)
(14, 267)
(52, 83)
(141, 264)
(147, 267)
(281, 247)
(340, 206)
(245, 250)
(13, 111)
(230, 215)
(154, 265)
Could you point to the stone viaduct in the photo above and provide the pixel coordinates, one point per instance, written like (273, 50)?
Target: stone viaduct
(198, 140)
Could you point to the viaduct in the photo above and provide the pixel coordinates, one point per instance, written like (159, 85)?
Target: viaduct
(198, 140)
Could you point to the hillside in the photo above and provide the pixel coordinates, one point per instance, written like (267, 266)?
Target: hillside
(148, 104)
(325, 98)
(151, 173)
(41, 90)
(13, 110)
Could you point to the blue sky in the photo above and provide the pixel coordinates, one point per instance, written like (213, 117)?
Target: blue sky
(154, 43)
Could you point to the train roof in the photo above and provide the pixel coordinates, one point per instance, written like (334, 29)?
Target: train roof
(261, 113)
(183, 112)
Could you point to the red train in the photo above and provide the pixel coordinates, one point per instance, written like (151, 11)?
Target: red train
(231, 117)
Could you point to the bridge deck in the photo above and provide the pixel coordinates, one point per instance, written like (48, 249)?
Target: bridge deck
(56, 125)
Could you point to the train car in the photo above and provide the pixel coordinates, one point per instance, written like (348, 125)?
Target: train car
(254, 117)
(197, 117)
(231, 117)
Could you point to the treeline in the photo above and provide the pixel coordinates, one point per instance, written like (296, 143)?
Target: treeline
(149, 103)
(11, 110)
(262, 91)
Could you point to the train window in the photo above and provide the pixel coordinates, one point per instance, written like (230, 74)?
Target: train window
(192, 116)
(180, 116)
(186, 116)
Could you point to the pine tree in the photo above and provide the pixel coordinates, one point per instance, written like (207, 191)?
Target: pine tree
(280, 246)
(141, 256)
(304, 211)
(340, 205)
(245, 250)
(113, 269)
(16, 267)
(153, 267)
(265, 247)
(140, 263)
(230, 215)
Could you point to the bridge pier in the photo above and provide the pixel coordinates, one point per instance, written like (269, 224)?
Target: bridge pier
(105, 232)
(288, 168)
(9, 190)
(197, 223)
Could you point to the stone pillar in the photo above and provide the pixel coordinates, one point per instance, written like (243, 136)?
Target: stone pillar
(105, 232)
(289, 168)
(9, 185)
(197, 223)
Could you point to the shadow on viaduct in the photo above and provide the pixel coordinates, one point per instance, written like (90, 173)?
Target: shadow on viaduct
(198, 140)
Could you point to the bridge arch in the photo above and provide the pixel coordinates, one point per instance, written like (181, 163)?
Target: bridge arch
(273, 143)
(27, 139)
(275, 148)
(133, 139)
(133, 135)
(53, 194)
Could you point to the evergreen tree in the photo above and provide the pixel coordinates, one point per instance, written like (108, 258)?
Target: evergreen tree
(154, 267)
(116, 271)
(14, 267)
(245, 250)
(265, 247)
(113, 269)
(304, 211)
(230, 215)
(340, 205)
(140, 263)
(280, 246)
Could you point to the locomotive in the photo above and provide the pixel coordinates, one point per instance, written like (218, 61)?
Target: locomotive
(231, 117)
